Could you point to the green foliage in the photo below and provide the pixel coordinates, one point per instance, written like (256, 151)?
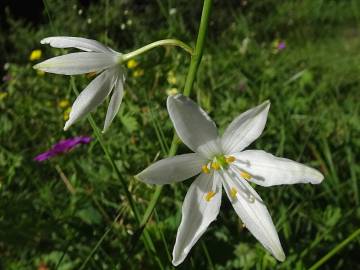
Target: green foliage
(313, 86)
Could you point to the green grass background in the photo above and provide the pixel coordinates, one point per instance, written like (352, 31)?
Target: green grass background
(313, 86)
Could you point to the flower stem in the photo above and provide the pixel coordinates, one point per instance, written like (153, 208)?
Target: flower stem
(335, 250)
(163, 42)
(194, 65)
(146, 237)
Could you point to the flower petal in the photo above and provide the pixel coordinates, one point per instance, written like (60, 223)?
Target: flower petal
(268, 170)
(197, 214)
(76, 42)
(77, 63)
(115, 102)
(253, 212)
(91, 96)
(194, 127)
(172, 169)
(245, 129)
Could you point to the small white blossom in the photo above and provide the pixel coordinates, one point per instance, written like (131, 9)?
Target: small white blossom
(222, 163)
(96, 58)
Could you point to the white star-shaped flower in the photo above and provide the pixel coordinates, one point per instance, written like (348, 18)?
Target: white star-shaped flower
(222, 162)
(96, 58)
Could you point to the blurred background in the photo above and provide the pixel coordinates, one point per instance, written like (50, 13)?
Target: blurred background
(301, 55)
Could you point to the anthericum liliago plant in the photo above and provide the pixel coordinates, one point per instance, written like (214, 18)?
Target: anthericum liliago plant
(222, 162)
(96, 58)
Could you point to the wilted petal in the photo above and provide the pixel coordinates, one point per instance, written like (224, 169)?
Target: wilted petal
(76, 42)
(77, 63)
(198, 211)
(253, 212)
(268, 170)
(91, 96)
(245, 129)
(172, 169)
(194, 127)
(115, 102)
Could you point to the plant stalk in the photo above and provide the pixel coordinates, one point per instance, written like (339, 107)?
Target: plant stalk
(193, 68)
(163, 42)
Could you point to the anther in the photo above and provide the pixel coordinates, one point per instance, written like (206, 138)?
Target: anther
(215, 166)
(230, 159)
(91, 74)
(209, 196)
(233, 192)
(245, 175)
(205, 169)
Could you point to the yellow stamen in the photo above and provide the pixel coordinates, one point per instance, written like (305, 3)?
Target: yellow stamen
(172, 92)
(215, 166)
(245, 175)
(230, 159)
(205, 169)
(233, 192)
(132, 64)
(209, 196)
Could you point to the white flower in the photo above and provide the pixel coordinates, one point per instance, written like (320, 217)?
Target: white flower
(222, 162)
(95, 58)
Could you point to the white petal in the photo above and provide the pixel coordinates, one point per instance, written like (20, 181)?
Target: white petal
(115, 102)
(253, 213)
(268, 170)
(76, 42)
(77, 63)
(194, 127)
(197, 214)
(245, 129)
(172, 169)
(91, 96)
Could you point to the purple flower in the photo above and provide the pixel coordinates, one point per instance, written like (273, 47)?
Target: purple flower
(281, 45)
(62, 146)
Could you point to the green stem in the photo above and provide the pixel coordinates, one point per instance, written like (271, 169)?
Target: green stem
(110, 159)
(194, 65)
(335, 250)
(163, 42)
(199, 47)
(147, 239)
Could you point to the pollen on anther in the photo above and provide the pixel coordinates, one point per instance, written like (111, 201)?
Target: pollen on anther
(205, 169)
(233, 192)
(209, 196)
(245, 175)
(215, 166)
(230, 159)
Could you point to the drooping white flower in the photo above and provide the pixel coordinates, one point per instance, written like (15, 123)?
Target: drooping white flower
(95, 58)
(222, 163)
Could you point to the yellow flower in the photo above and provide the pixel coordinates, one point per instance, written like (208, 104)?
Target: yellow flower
(64, 103)
(35, 55)
(132, 63)
(171, 78)
(138, 73)
(67, 113)
(3, 95)
(172, 92)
